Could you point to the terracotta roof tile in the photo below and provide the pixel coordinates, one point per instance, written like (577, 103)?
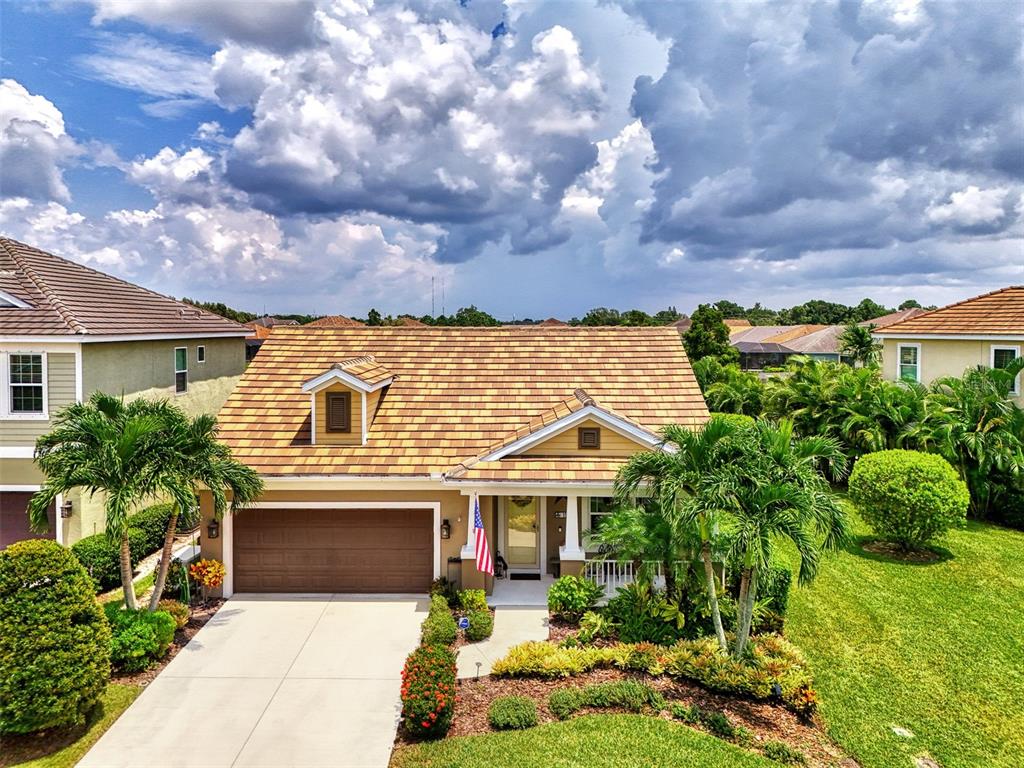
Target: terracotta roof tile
(335, 321)
(998, 313)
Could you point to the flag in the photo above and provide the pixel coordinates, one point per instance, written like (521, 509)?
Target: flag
(483, 554)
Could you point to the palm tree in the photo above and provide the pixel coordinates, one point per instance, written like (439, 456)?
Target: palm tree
(102, 446)
(855, 341)
(671, 477)
(190, 456)
(773, 488)
(735, 391)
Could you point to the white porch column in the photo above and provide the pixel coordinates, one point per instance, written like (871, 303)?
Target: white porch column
(572, 550)
(469, 549)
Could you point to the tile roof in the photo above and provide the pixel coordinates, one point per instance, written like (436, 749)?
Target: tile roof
(365, 368)
(457, 392)
(260, 331)
(335, 321)
(997, 313)
(895, 317)
(823, 341)
(67, 298)
(406, 321)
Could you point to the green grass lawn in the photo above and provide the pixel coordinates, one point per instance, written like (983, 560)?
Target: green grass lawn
(593, 741)
(937, 649)
(65, 750)
(142, 585)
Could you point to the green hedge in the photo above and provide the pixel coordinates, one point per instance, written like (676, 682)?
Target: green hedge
(439, 628)
(152, 523)
(54, 639)
(102, 557)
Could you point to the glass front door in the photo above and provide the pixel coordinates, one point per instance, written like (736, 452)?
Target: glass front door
(522, 532)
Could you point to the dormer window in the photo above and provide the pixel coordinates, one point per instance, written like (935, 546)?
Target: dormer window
(589, 437)
(339, 411)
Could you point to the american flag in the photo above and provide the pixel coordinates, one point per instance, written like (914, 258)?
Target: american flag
(483, 554)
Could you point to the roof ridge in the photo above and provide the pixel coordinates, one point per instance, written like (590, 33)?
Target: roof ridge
(66, 315)
(929, 312)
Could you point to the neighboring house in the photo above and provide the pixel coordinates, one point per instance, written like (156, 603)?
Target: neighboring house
(376, 442)
(67, 331)
(895, 317)
(986, 330)
(766, 346)
(335, 321)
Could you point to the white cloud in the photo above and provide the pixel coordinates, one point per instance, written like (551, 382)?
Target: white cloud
(972, 207)
(34, 145)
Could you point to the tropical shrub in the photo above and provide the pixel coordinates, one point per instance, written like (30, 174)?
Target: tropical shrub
(473, 600)
(545, 660)
(571, 596)
(687, 713)
(138, 638)
(644, 615)
(54, 639)
(101, 557)
(179, 584)
(621, 694)
(178, 611)
(781, 752)
(511, 713)
(908, 497)
(594, 625)
(738, 419)
(481, 625)
(208, 574)
(428, 691)
(736, 392)
(449, 590)
(439, 628)
(151, 522)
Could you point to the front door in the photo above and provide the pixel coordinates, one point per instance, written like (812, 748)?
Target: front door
(522, 533)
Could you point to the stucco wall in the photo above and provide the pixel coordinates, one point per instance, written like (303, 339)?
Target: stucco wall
(146, 369)
(60, 391)
(944, 357)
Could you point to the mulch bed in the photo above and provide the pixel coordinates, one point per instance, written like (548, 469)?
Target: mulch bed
(200, 615)
(894, 552)
(767, 722)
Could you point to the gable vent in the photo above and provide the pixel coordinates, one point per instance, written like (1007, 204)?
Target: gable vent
(589, 437)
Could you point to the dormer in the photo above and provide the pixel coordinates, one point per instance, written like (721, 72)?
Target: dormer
(343, 400)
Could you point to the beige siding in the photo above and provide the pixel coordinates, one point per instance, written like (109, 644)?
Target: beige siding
(566, 443)
(943, 357)
(355, 436)
(60, 391)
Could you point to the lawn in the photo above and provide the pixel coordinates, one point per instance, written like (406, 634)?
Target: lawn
(937, 649)
(614, 741)
(66, 749)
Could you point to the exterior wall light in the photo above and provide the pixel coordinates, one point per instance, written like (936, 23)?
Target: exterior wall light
(213, 529)
(446, 529)
(66, 509)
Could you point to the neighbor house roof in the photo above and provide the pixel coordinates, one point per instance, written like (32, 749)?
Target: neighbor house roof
(335, 321)
(895, 317)
(45, 295)
(457, 393)
(999, 313)
(260, 331)
(410, 322)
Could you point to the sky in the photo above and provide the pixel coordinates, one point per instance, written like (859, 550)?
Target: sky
(535, 159)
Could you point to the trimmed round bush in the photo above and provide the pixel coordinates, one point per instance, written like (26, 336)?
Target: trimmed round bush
(512, 713)
(138, 638)
(481, 625)
(54, 639)
(738, 419)
(572, 596)
(908, 497)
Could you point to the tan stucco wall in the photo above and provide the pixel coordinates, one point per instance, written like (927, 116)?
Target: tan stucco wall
(60, 391)
(146, 369)
(944, 357)
(566, 443)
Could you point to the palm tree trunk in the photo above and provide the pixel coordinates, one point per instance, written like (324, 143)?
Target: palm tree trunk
(127, 586)
(709, 578)
(165, 560)
(748, 596)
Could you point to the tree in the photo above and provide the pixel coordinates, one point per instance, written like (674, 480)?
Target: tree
(735, 391)
(666, 316)
(867, 310)
(857, 342)
(672, 478)
(770, 488)
(708, 336)
(909, 304)
(103, 446)
(191, 456)
(602, 316)
(471, 316)
(730, 309)
(635, 317)
(373, 318)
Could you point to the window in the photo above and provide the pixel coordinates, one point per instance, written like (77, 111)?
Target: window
(1001, 358)
(339, 412)
(200, 354)
(909, 362)
(589, 437)
(25, 382)
(180, 369)
(600, 508)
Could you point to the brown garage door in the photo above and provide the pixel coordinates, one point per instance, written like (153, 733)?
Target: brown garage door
(333, 550)
(14, 519)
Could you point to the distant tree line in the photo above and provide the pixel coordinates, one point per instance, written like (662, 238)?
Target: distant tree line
(813, 312)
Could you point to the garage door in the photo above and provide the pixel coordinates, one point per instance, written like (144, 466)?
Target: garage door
(333, 550)
(14, 518)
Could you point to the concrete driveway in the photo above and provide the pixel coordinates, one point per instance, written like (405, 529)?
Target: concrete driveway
(275, 681)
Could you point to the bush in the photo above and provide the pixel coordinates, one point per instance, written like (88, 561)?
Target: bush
(447, 589)
(428, 691)
(439, 628)
(54, 639)
(139, 638)
(512, 713)
(545, 660)
(718, 724)
(625, 694)
(179, 584)
(481, 625)
(687, 713)
(595, 625)
(773, 588)
(641, 615)
(151, 522)
(178, 610)
(908, 497)
(781, 752)
(738, 419)
(570, 596)
(101, 557)
(473, 600)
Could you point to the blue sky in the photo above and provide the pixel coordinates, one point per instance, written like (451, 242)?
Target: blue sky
(329, 156)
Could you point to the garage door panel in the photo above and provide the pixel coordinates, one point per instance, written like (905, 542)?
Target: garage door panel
(333, 550)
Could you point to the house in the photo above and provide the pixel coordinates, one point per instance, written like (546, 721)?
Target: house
(67, 331)
(985, 330)
(335, 321)
(260, 333)
(895, 317)
(766, 346)
(377, 443)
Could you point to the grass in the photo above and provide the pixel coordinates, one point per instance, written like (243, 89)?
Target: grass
(592, 741)
(142, 585)
(937, 649)
(65, 749)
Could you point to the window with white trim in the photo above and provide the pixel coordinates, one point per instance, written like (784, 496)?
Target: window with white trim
(180, 369)
(599, 510)
(201, 354)
(25, 384)
(908, 363)
(1001, 357)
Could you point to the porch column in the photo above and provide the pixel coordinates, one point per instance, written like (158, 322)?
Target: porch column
(571, 554)
(469, 549)
(471, 577)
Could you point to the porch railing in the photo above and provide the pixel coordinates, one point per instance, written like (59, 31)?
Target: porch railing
(610, 574)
